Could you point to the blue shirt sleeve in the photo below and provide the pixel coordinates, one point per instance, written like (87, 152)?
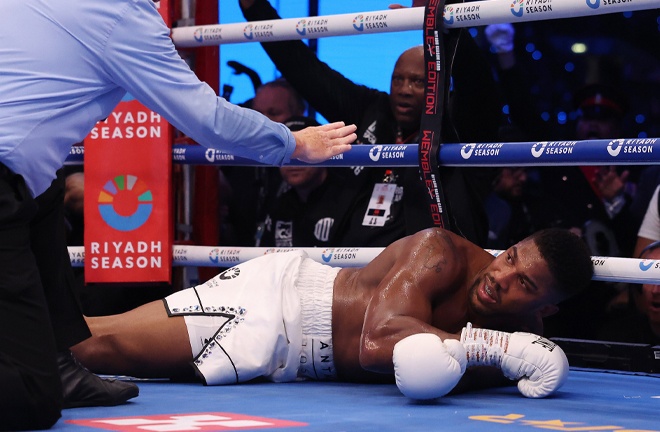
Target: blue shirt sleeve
(140, 57)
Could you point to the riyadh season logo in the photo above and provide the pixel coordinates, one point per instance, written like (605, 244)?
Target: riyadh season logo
(517, 8)
(634, 148)
(247, 32)
(209, 154)
(614, 147)
(207, 34)
(537, 149)
(467, 150)
(358, 23)
(593, 4)
(213, 156)
(198, 35)
(481, 150)
(374, 152)
(448, 16)
(301, 27)
(214, 255)
(552, 148)
(339, 254)
(326, 255)
(125, 203)
(646, 265)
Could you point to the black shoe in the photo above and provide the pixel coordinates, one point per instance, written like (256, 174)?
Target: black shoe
(82, 388)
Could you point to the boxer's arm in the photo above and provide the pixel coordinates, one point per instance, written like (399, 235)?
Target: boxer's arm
(420, 268)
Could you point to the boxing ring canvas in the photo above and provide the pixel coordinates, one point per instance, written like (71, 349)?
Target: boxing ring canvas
(591, 400)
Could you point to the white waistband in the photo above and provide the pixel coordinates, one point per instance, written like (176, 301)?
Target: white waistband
(315, 288)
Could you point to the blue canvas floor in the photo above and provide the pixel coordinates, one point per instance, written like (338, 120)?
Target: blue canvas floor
(590, 401)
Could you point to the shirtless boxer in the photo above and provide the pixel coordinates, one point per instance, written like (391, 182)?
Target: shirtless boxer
(407, 312)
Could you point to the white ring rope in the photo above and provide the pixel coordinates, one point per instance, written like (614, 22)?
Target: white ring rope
(394, 20)
(607, 269)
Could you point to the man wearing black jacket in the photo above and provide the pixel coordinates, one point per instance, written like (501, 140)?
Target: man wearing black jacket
(472, 115)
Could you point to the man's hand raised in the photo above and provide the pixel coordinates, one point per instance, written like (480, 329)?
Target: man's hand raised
(318, 143)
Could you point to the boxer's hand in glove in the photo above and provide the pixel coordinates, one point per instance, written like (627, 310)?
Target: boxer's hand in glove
(425, 367)
(539, 364)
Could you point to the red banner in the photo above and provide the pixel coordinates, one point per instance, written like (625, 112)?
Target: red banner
(128, 196)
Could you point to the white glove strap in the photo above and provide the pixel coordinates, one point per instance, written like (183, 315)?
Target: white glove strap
(484, 347)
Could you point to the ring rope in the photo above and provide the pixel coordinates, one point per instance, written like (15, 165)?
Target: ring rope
(607, 269)
(394, 20)
(628, 151)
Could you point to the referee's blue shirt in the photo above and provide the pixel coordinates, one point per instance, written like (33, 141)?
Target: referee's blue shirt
(65, 64)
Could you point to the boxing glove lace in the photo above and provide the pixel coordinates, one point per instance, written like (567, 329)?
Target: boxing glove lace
(539, 364)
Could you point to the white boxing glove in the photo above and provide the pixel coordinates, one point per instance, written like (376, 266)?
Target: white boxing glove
(425, 367)
(539, 364)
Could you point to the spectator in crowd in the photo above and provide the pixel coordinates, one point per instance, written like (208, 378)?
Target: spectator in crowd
(524, 120)
(394, 118)
(638, 319)
(252, 187)
(517, 207)
(649, 231)
(316, 207)
(605, 204)
(600, 197)
(304, 212)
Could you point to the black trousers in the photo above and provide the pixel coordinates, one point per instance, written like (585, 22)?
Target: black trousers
(39, 313)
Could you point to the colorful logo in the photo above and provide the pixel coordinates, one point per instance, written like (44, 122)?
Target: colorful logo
(198, 34)
(517, 8)
(358, 23)
(301, 27)
(125, 203)
(247, 32)
(326, 255)
(450, 18)
(214, 255)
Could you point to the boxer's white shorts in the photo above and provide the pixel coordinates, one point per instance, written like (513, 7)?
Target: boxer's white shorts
(269, 317)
